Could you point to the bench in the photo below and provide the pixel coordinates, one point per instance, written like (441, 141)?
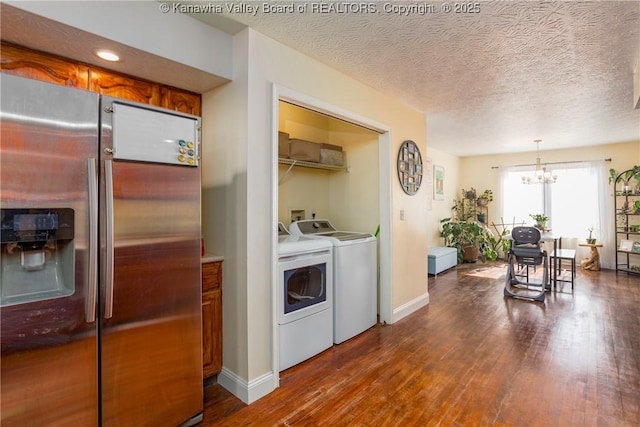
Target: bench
(441, 258)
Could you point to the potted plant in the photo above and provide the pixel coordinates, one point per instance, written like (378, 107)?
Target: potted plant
(462, 212)
(482, 202)
(472, 206)
(541, 220)
(469, 238)
(500, 241)
(591, 240)
(625, 177)
(469, 194)
(613, 174)
(636, 189)
(484, 199)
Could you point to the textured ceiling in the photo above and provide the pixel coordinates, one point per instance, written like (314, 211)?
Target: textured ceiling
(490, 81)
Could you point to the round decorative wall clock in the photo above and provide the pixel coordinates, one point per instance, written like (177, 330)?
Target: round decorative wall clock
(409, 167)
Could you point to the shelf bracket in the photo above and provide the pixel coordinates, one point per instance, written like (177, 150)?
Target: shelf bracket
(287, 172)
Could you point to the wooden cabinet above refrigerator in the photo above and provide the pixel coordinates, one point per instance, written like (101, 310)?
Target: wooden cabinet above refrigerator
(24, 62)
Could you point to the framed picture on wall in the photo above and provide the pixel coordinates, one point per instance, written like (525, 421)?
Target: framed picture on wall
(438, 183)
(428, 175)
(626, 245)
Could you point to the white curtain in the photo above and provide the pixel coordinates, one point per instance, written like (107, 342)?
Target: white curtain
(580, 199)
(606, 225)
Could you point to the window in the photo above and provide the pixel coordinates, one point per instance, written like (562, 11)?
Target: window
(573, 202)
(580, 199)
(519, 199)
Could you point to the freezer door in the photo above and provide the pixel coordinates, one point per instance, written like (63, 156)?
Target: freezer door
(143, 133)
(48, 164)
(151, 294)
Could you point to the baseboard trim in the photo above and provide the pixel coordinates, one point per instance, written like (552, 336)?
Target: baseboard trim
(250, 391)
(259, 387)
(410, 307)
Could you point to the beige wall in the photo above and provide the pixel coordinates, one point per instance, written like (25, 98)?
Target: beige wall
(442, 208)
(224, 200)
(348, 198)
(238, 196)
(477, 171)
(354, 195)
(303, 188)
(306, 189)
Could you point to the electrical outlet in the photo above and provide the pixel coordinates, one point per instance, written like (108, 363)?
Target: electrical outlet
(401, 214)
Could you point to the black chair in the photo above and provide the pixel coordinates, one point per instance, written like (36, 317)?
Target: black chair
(559, 258)
(526, 251)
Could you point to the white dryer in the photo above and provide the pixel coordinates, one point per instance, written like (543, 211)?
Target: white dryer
(305, 297)
(355, 278)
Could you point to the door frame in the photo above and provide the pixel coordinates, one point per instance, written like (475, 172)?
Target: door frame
(281, 93)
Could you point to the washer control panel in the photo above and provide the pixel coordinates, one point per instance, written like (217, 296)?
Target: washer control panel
(313, 226)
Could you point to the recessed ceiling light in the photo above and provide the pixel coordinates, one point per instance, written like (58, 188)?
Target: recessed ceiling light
(107, 55)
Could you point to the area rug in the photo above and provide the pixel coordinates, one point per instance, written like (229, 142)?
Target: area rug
(489, 272)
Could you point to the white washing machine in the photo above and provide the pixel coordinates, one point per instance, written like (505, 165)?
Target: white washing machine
(305, 297)
(355, 278)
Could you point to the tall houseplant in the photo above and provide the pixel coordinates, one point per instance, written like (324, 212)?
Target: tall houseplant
(472, 205)
(470, 239)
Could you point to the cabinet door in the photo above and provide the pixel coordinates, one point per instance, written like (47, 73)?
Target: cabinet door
(211, 276)
(38, 66)
(211, 333)
(185, 102)
(42, 66)
(124, 87)
(211, 318)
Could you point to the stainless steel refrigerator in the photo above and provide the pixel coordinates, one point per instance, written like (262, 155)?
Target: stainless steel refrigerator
(100, 304)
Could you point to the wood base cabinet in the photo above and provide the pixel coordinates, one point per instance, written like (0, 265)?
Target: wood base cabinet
(211, 318)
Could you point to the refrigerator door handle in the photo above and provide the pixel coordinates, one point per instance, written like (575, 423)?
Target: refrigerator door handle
(92, 289)
(108, 303)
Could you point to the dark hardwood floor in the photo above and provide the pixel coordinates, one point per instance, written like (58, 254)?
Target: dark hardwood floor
(471, 358)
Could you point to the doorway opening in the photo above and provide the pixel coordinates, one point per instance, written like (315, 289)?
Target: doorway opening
(355, 196)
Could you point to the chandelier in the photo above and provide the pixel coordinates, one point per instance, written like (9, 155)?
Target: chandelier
(540, 174)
